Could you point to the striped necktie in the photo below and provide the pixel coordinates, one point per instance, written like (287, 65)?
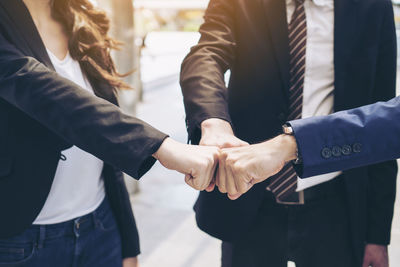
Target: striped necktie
(284, 184)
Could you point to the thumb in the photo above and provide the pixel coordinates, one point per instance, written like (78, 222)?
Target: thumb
(243, 143)
(194, 182)
(189, 180)
(236, 142)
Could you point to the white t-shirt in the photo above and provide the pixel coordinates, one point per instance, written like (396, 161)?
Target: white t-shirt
(78, 188)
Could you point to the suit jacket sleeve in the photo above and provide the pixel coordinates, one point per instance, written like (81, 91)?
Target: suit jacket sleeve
(76, 115)
(202, 75)
(362, 126)
(371, 132)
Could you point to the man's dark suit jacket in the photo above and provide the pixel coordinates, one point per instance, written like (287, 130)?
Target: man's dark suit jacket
(372, 132)
(250, 37)
(42, 114)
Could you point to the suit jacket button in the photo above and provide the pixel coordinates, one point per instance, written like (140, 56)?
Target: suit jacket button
(357, 148)
(346, 150)
(336, 151)
(326, 153)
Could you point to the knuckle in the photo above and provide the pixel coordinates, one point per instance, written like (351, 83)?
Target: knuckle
(223, 155)
(232, 191)
(238, 167)
(229, 162)
(216, 152)
(222, 190)
(225, 144)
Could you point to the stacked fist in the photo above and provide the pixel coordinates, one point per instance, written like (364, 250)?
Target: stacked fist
(224, 161)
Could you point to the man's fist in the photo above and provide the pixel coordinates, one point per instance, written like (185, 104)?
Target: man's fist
(219, 133)
(242, 167)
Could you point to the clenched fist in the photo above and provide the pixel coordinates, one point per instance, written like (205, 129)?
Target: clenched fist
(242, 167)
(219, 133)
(198, 163)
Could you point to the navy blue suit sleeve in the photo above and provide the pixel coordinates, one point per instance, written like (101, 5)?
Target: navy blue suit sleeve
(371, 131)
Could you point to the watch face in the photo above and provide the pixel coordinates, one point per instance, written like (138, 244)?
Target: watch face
(287, 129)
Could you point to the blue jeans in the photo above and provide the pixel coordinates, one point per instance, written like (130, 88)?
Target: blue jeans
(90, 240)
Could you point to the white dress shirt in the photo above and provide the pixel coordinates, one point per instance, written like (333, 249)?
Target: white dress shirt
(77, 188)
(318, 97)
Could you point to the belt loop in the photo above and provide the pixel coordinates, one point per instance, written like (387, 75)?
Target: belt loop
(42, 236)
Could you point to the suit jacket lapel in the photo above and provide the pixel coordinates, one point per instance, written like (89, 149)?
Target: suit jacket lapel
(25, 28)
(345, 32)
(32, 44)
(277, 24)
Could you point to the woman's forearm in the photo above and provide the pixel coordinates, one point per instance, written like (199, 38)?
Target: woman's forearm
(76, 115)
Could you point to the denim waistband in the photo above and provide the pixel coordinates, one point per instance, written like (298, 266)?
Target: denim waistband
(75, 227)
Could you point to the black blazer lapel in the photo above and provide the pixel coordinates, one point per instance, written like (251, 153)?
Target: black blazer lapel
(30, 43)
(277, 24)
(345, 34)
(25, 28)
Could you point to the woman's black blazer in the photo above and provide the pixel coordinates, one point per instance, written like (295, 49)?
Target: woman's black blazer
(42, 114)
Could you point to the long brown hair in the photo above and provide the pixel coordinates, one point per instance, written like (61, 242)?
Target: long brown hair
(89, 42)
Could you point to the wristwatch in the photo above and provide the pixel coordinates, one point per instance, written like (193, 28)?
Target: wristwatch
(288, 130)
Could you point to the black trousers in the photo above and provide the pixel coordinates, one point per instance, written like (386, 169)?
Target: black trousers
(312, 235)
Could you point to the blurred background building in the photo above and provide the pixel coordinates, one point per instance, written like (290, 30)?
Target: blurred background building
(157, 36)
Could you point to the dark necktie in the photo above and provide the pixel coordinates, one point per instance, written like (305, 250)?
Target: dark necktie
(284, 184)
